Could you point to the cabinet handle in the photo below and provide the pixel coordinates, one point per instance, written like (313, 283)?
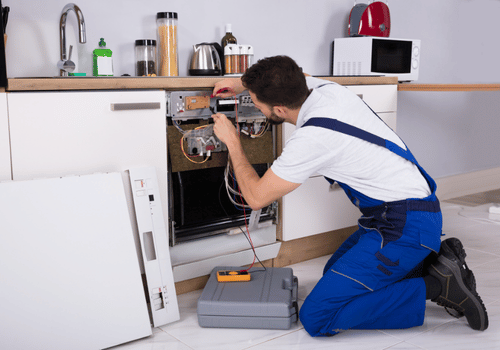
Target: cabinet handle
(135, 106)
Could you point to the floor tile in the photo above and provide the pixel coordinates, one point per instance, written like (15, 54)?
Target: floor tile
(348, 340)
(158, 341)
(457, 335)
(188, 331)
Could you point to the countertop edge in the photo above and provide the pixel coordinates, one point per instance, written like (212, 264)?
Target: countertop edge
(448, 87)
(164, 83)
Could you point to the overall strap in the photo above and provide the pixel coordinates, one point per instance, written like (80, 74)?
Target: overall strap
(336, 125)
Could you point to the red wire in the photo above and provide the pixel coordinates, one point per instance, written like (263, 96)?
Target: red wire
(248, 232)
(239, 191)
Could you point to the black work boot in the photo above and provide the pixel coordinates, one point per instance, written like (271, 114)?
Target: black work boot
(458, 285)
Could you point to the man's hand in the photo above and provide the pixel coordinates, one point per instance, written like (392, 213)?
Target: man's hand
(258, 192)
(228, 87)
(225, 130)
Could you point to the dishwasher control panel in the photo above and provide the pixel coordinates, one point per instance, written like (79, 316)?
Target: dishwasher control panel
(189, 105)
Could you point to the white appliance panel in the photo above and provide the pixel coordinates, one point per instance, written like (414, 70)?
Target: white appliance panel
(68, 266)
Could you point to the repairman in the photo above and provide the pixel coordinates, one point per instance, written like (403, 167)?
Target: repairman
(381, 276)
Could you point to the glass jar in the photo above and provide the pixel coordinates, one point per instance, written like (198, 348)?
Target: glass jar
(168, 55)
(228, 54)
(243, 58)
(234, 56)
(145, 58)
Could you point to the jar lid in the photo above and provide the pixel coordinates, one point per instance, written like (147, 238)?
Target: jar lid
(231, 49)
(166, 15)
(243, 49)
(145, 42)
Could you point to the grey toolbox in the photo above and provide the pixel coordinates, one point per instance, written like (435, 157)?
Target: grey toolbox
(268, 300)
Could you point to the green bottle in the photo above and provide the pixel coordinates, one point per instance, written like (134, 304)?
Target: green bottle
(103, 62)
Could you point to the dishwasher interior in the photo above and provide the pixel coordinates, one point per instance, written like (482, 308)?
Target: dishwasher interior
(204, 199)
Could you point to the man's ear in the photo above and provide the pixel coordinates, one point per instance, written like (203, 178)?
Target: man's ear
(280, 111)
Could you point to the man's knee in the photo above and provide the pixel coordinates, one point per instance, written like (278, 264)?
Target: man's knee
(316, 319)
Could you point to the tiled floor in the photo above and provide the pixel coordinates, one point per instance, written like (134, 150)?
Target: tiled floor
(478, 230)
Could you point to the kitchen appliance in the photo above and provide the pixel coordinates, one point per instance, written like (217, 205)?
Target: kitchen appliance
(198, 186)
(206, 59)
(356, 56)
(372, 20)
(68, 266)
(160, 288)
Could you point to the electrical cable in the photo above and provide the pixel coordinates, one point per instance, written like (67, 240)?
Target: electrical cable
(242, 231)
(237, 192)
(184, 152)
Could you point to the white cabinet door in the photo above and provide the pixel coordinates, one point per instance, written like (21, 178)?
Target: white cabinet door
(73, 133)
(5, 166)
(380, 98)
(316, 207)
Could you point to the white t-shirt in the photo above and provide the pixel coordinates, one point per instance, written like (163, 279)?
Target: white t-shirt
(367, 168)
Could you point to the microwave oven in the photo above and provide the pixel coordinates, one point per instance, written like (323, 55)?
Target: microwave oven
(355, 56)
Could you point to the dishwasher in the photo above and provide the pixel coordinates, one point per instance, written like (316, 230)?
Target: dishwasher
(203, 194)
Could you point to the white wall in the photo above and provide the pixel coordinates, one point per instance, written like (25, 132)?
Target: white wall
(450, 133)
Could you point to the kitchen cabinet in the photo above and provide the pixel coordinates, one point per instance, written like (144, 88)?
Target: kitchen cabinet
(5, 166)
(76, 133)
(316, 206)
(73, 133)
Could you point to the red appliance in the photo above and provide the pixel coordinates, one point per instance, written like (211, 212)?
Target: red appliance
(370, 20)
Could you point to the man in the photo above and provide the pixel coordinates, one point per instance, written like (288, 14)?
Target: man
(374, 280)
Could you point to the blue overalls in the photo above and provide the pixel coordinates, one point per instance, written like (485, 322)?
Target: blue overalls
(366, 284)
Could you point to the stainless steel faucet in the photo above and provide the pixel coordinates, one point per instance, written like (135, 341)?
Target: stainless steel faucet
(65, 64)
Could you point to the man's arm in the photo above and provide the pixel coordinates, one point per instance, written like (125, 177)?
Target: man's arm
(257, 191)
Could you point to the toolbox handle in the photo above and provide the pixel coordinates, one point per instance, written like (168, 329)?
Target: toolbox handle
(292, 285)
(295, 289)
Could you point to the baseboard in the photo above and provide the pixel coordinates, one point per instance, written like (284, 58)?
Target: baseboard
(469, 183)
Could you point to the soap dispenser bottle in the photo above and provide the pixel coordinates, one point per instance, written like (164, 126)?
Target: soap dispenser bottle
(103, 62)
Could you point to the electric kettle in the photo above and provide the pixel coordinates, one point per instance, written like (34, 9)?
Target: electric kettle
(206, 59)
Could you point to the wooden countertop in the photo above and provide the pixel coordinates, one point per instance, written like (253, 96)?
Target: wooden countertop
(166, 83)
(448, 87)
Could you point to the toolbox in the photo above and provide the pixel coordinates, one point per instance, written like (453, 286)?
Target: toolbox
(268, 300)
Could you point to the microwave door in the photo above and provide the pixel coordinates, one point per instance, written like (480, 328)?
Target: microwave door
(391, 56)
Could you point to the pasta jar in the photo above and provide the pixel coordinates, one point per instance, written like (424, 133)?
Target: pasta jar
(168, 56)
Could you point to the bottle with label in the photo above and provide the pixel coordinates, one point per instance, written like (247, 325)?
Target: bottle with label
(103, 62)
(230, 40)
(229, 37)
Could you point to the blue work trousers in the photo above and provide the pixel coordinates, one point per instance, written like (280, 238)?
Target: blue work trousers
(365, 283)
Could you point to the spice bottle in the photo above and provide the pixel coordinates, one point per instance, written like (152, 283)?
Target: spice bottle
(232, 53)
(145, 57)
(229, 37)
(103, 62)
(168, 56)
(243, 58)
(249, 55)
(228, 62)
